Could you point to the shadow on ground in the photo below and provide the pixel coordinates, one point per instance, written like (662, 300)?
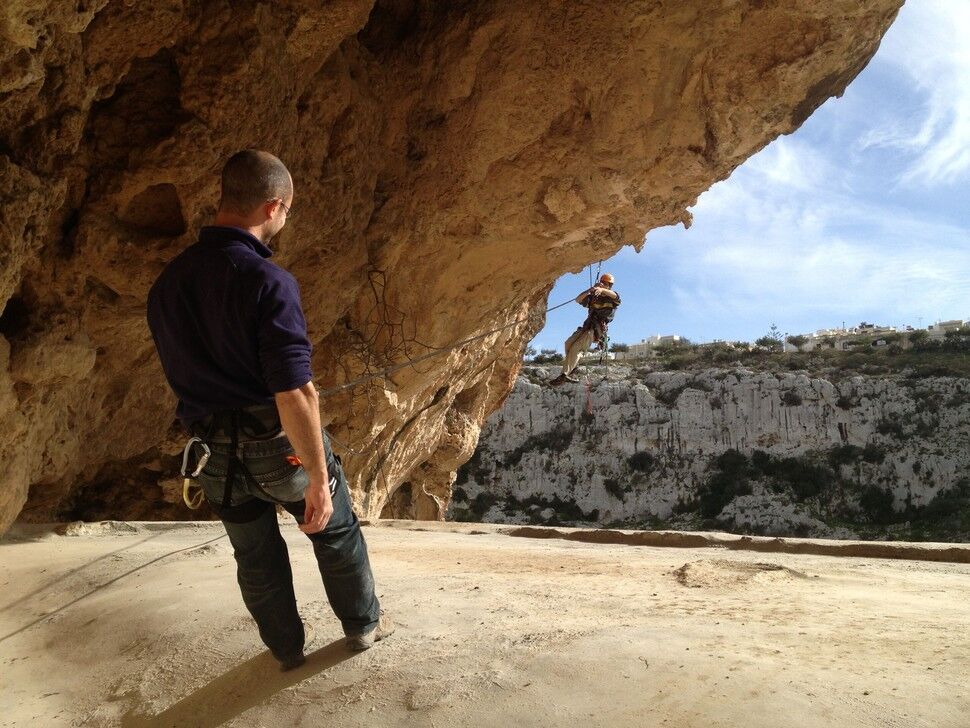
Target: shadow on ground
(245, 686)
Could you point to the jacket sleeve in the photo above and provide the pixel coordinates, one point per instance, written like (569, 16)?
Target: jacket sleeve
(582, 298)
(284, 349)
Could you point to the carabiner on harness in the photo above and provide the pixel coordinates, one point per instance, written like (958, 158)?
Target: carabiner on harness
(193, 499)
(187, 453)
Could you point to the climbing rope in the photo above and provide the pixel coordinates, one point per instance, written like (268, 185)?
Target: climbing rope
(384, 373)
(605, 357)
(599, 268)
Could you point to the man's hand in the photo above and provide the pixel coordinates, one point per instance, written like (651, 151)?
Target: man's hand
(319, 508)
(605, 292)
(300, 415)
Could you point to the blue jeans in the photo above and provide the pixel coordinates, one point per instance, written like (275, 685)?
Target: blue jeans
(263, 565)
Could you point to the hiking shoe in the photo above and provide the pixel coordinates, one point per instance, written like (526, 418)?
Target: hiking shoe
(561, 379)
(361, 642)
(291, 663)
(574, 380)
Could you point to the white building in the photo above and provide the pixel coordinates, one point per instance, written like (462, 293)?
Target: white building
(646, 346)
(846, 339)
(939, 329)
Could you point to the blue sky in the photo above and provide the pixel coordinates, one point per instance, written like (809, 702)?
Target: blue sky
(861, 215)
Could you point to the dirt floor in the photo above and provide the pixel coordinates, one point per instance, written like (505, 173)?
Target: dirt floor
(142, 625)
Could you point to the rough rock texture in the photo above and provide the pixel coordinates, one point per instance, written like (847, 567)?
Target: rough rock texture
(837, 456)
(451, 160)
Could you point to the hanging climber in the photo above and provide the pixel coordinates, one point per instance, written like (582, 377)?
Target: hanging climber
(601, 301)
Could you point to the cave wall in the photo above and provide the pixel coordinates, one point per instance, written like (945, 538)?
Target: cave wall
(451, 160)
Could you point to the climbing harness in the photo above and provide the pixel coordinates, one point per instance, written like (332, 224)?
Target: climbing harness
(192, 492)
(231, 423)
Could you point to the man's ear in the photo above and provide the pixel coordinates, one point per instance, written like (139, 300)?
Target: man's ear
(269, 208)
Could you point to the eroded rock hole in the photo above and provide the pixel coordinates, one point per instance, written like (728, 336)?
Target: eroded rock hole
(144, 109)
(15, 319)
(410, 502)
(400, 504)
(156, 210)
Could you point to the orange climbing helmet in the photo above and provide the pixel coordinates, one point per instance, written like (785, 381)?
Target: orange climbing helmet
(606, 278)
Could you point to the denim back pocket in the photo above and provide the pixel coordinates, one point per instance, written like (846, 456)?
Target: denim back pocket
(274, 468)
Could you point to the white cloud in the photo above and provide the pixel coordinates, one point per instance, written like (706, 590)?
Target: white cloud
(786, 237)
(929, 45)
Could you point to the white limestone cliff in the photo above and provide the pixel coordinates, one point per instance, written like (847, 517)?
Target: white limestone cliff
(643, 450)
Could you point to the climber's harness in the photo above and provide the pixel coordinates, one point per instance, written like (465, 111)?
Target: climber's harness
(225, 435)
(254, 426)
(601, 312)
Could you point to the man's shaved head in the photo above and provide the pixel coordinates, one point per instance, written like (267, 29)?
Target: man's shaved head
(250, 178)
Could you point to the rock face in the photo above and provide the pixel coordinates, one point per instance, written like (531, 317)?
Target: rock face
(782, 454)
(451, 160)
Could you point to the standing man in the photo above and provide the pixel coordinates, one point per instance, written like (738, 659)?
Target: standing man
(232, 339)
(602, 302)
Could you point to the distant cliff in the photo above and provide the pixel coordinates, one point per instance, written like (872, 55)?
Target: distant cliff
(770, 453)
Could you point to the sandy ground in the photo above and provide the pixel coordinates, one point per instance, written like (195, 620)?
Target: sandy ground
(142, 625)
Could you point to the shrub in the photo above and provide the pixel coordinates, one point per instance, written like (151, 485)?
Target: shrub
(804, 478)
(761, 461)
(473, 468)
(877, 505)
(844, 402)
(614, 488)
(946, 503)
(918, 337)
(926, 400)
(669, 398)
(959, 398)
(732, 462)
(481, 503)
(556, 440)
(873, 453)
(719, 490)
(563, 510)
(642, 462)
(729, 480)
(768, 343)
(548, 356)
(890, 428)
(791, 398)
(844, 455)
(458, 495)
